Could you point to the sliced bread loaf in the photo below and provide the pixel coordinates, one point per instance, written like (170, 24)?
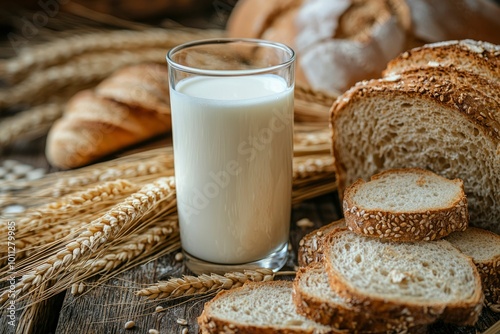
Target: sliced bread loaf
(314, 298)
(407, 204)
(257, 308)
(448, 128)
(484, 249)
(425, 281)
(312, 244)
(482, 58)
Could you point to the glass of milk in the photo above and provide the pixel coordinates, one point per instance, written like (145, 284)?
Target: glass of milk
(232, 119)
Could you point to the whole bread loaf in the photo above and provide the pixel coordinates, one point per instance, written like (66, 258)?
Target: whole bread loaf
(337, 42)
(341, 42)
(130, 106)
(450, 127)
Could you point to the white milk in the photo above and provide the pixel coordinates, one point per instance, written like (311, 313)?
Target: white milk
(233, 165)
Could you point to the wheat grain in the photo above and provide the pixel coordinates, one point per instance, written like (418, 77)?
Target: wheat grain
(63, 50)
(196, 285)
(121, 216)
(134, 245)
(29, 123)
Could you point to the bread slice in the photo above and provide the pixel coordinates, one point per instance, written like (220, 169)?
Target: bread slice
(311, 245)
(449, 128)
(258, 308)
(314, 298)
(407, 204)
(479, 57)
(424, 281)
(484, 249)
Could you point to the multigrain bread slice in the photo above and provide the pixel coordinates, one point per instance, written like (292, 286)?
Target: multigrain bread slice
(484, 249)
(257, 308)
(312, 244)
(425, 281)
(479, 57)
(407, 204)
(314, 299)
(448, 128)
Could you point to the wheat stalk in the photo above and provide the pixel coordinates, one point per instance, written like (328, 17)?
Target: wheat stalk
(76, 75)
(29, 123)
(132, 249)
(64, 50)
(98, 232)
(50, 222)
(197, 285)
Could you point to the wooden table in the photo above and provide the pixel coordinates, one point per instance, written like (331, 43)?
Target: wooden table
(105, 309)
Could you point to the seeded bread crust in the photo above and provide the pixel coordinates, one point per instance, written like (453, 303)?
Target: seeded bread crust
(210, 323)
(457, 76)
(462, 103)
(461, 312)
(482, 58)
(489, 269)
(339, 314)
(405, 226)
(311, 246)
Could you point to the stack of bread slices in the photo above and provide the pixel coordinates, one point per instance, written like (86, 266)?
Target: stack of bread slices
(401, 259)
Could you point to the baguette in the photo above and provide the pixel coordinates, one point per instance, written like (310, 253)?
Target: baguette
(130, 106)
(425, 281)
(408, 204)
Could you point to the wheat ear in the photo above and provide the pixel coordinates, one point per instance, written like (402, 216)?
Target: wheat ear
(48, 223)
(197, 285)
(62, 50)
(98, 232)
(134, 248)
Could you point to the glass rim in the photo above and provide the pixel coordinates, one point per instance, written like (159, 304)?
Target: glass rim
(227, 73)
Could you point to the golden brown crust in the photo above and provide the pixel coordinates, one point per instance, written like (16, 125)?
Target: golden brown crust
(311, 246)
(130, 106)
(421, 313)
(251, 18)
(142, 86)
(479, 57)
(93, 127)
(405, 226)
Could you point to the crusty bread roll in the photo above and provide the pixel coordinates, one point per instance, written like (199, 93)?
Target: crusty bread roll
(435, 121)
(129, 107)
(339, 43)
